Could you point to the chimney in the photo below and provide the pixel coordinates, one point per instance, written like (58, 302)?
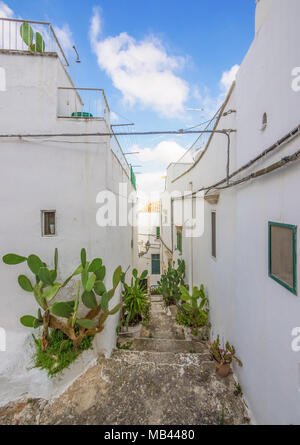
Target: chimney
(263, 7)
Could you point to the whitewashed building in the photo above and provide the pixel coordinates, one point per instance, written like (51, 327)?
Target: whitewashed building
(149, 241)
(247, 254)
(48, 193)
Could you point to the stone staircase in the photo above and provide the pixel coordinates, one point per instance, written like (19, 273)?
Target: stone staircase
(162, 380)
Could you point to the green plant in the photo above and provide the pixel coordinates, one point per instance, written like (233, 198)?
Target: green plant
(154, 290)
(46, 288)
(60, 353)
(169, 284)
(223, 355)
(136, 304)
(27, 35)
(194, 310)
(222, 416)
(126, 346)
(238, 389)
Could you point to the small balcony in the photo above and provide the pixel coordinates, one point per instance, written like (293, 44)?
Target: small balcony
(32, 36)
(82, 103)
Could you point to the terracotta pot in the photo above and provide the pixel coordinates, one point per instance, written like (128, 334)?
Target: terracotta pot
(222, 370)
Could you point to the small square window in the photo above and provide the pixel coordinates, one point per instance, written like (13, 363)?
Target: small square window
(214, 234)
(283, 255)
(48, 223)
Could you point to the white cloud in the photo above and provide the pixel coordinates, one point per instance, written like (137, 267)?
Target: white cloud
(96, 26)
(9, 31)
(113, 116)
(211, 103)
(150, 184)
(5, 11)
(228, 77)
(65, 38)
(164, 153)
(141, 70)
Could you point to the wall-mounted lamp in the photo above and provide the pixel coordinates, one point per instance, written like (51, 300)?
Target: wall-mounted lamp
(78, 59)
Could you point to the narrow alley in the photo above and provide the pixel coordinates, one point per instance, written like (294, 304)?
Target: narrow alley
(163, 379)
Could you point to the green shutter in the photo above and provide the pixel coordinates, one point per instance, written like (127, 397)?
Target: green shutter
(155, 259)
(277, 274)
(157, 232)
(132, 177)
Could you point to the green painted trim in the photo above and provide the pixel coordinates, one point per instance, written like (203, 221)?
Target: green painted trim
(155, 264)
(294, 229)
(132, 177)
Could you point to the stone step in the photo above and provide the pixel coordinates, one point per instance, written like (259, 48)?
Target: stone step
(141, 388)
(163, 326)
(163, 345)
(157, 299)
(200, 360)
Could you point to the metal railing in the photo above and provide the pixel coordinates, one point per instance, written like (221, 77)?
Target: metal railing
(89, 104)
(117, 150)
(82, 103)
(28, 35)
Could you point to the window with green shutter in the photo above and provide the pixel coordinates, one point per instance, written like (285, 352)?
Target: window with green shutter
(157, 232)
(155, 259)
(283, 255)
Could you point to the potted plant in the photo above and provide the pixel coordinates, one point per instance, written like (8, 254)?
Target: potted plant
(170, 282)
(136, 305)
(193, 313)
(223, 356)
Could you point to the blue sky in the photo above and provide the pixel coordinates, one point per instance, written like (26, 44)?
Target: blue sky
(154, 59)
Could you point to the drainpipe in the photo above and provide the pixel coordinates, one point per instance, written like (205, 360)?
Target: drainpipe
(160, 233)
(191, 244)
(172, 224)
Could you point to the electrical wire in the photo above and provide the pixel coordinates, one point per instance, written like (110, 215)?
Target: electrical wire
(275, 166)
(140, 133)
(216, 115)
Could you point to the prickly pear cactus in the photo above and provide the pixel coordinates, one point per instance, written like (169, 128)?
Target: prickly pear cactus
(90, 287)
(27, 35)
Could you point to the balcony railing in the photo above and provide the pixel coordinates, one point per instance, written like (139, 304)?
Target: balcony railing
(82, 103)
(116, 148)
(27, 35)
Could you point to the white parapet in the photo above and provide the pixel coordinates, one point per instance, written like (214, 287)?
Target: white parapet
(263, 8)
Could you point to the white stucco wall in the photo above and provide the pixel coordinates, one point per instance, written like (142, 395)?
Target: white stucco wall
(66, 176)
(248, 308)
(147, 224)
(263, 7)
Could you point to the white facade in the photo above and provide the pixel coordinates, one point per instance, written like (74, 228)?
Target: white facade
(148, 243)
(64, 174)
(248, 308)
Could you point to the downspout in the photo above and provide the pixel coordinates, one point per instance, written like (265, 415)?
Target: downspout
(191, 243)
(161, 248)
(172, 224)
